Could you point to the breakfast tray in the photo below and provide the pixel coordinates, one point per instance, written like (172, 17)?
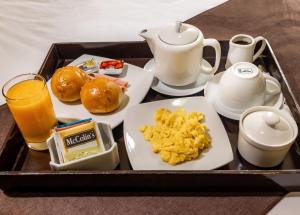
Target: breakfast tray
(22, 169)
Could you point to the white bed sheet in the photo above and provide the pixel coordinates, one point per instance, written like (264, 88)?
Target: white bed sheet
(29, 27)
(288, 205)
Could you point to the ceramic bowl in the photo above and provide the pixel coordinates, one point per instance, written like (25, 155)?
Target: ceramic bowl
(107, 160)
(266, 135)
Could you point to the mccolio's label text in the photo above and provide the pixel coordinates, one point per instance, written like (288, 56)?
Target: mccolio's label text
(80, 138)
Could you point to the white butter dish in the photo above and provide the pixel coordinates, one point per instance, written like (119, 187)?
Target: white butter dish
(107, 160)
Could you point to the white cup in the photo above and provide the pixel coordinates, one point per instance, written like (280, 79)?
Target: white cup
(241, 49)
(243, 86)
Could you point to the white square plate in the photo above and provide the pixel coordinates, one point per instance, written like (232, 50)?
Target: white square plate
(139, 150)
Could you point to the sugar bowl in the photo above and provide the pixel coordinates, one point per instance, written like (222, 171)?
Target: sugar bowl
(266, 135)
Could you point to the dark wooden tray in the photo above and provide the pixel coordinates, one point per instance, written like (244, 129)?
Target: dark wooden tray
(22, 169)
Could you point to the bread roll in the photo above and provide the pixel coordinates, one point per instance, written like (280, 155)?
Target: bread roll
(66, 83)
(101, 95)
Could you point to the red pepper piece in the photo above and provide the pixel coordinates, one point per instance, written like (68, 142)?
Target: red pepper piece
(118, 66)
(103, 65)
(113, 63)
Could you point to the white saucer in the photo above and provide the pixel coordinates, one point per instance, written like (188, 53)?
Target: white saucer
(211, 94)
(190, 89)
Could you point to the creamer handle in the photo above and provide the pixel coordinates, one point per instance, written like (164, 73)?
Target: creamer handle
(261, 49)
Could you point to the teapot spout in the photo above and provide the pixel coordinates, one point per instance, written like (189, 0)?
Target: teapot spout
(145, 34)
(148, 35)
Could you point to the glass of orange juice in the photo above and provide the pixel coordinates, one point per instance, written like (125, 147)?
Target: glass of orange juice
(28, 99)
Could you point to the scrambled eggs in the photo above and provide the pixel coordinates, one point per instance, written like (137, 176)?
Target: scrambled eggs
(178, 136)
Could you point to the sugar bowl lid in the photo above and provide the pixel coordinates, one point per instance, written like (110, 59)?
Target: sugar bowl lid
(268, 127)
(178, 34)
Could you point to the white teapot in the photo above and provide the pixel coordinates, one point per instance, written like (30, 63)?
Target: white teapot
(178, 53)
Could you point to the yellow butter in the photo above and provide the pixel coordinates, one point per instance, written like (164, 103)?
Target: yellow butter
(80, 141)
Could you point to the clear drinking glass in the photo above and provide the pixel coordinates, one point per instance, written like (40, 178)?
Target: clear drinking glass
(29, 101)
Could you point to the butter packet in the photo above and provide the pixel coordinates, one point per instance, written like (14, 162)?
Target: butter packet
(77, 140)
(89, 66)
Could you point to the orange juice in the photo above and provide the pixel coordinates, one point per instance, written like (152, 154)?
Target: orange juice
(30, 103)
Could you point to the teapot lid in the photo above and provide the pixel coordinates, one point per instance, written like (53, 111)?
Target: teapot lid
(178, 34)
(267, 127)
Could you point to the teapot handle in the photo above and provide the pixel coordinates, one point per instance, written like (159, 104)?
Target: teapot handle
(216, 45)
